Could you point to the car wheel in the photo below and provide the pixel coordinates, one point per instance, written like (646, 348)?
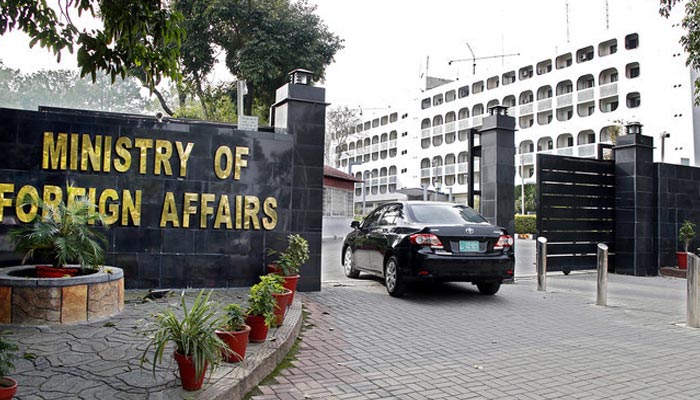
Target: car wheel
(348, 264)
(566, 271)
(392, 278)
(488, 288)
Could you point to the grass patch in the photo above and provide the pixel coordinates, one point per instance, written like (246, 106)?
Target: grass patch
(286, 361)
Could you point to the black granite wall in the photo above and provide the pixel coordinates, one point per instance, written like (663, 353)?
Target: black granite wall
(678, 189)
(498, 170)
(286, 167)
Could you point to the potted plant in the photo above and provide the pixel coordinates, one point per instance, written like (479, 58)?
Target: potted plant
(281, 294)
(685, 234)
(8, 386)
(196, 344)
(234, 332)
(61, 235)
(290, 260)
(261, 308)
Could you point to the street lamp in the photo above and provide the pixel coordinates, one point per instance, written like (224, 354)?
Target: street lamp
(634, 128)
(300, 76)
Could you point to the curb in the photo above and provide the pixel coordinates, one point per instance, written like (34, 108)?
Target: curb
(234, 381)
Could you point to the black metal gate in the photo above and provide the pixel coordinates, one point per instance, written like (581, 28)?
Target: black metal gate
(575, 210)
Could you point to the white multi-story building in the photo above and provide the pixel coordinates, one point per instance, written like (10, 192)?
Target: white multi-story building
(565, 102)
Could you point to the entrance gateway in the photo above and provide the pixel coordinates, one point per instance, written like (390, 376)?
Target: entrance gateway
(191, 203)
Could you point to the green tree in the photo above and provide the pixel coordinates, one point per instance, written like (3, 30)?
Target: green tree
(262, 41)
(691, 39)
(65, 88)
(530, 198)
(340, 122)
(136, 34)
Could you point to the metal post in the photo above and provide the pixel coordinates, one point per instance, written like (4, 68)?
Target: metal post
(364, 197)
(542, 264)
(693, 314)
(602, 295)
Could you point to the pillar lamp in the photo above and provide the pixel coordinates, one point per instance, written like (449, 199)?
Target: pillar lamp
(633, 128)
(300, 76)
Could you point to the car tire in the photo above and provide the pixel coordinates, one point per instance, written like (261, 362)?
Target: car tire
(393, 280)
(488, 288)
(349, 264)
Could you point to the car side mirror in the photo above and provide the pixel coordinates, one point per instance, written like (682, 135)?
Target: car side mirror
(355, 224)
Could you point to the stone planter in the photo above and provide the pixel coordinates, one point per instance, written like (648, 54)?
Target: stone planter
(26, 300)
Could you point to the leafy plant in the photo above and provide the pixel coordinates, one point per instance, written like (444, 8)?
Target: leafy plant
(63, 232)
(294, 256)
(7, 354)
(525, 223)
(193, 334)
(234, 317)
(686, 233)
(260, 299)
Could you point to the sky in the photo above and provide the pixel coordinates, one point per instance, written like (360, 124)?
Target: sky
(389, 42)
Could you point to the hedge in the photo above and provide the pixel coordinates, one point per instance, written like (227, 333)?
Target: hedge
(525, 223)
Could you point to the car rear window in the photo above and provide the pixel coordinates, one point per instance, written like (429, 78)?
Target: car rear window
(445, 214)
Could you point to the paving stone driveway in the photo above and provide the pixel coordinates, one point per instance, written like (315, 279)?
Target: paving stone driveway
(449, 342)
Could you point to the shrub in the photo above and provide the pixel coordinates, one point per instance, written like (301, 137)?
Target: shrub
(525, 223)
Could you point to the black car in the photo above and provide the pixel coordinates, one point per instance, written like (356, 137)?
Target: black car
(413, 241)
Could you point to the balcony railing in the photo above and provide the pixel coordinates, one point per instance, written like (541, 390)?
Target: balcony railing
(375, 148)
(425, 133)
(565, 99)
(585, 94)
(524, 159)
(425, 173)
(392, 179)
(383, 146)
(463, 124)
(450, 169)
(450, 127)
(544, 104)
(437, 130)
(393, 143)
(382, 180)
(608, 90)
(526, 109)
(512, 110)
(476, 121)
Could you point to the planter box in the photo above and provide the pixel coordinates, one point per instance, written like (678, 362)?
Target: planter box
(26, 300)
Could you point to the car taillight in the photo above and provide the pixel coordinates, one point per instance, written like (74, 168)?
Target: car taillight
(503, 241)
(426, 239)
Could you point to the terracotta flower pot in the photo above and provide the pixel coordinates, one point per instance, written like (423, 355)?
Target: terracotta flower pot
(236, 341)
(272, 268)
(282, 301)
(258, 329)
(8, 388)
(290, 282)
(47, 271)
(682, 258)
(189, 381)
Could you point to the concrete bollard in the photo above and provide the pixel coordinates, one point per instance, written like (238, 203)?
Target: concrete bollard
(542, 264)
(602, 293)
(693, 308)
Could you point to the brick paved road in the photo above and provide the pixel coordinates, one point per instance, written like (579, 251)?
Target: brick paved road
(449, 342)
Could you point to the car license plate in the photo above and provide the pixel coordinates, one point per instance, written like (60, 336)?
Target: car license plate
(466, 246)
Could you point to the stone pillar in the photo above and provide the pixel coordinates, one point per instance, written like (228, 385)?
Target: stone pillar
(498, 168)
(300, 111)
(635, 224)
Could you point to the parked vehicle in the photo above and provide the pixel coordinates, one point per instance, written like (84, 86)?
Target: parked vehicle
(415, 241)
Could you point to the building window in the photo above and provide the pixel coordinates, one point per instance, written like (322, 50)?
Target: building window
(564, 61)
(437, 99)
(337, 202)
(525, 72)
(584, 54)
(544, 67)
(633, 100)
(463, 91)
(607, 48)
(632, 70)
(631, 41)
(450, 96)
(478, 87)
(425, 103)
(492, 82)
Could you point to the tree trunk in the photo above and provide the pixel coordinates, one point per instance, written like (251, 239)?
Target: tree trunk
(162, 102)
(248, 100)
